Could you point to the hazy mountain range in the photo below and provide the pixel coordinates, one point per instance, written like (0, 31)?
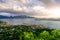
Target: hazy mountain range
(20, 16)
(25, 16)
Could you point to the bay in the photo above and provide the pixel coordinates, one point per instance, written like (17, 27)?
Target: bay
(46, 23)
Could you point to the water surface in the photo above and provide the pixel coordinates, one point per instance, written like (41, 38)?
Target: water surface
(50, 24)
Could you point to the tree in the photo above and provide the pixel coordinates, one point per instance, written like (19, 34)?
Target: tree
(1, 36)
(55, 34)
(45, 36)
(28, 36)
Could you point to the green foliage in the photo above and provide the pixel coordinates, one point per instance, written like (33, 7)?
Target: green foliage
(56, 34)
(9, 32)
(45, 35)
(17, 32)
(1, 36)
(28, 36)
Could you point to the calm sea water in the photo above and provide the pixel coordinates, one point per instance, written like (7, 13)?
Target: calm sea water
(50, 24)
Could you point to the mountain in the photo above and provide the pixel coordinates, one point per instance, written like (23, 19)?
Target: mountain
(20, 16)
(48, 19)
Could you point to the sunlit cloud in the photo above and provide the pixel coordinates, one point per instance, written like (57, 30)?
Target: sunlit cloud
(36, 8)
(6, 14)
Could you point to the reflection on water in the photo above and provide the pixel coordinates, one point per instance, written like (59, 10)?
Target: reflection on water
(50, 24)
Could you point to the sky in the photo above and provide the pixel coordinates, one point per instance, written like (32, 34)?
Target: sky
(34, 8)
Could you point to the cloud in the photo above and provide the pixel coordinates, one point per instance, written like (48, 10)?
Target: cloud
(37, 8)
(6, 14)
(15, 5)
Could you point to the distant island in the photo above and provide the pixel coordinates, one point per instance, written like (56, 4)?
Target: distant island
(25, 16)
(48, 19)
(20, 16)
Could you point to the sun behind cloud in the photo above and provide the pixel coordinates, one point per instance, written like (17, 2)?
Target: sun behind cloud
(55, 12)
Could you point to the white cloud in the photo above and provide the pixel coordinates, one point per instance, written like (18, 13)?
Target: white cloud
(6, 14)
(37, 8)
(17, 6)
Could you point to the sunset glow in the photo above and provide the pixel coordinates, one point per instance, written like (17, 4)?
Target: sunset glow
(55, 12)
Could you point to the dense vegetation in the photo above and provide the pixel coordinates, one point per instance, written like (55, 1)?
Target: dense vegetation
(23, 32)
